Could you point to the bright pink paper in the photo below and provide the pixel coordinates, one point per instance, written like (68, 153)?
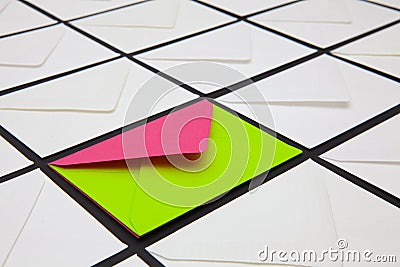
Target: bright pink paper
(180, 132)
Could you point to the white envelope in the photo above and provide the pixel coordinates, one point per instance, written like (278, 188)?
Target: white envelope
(239, 51)
(151, 23)
(104, 86)
(42, 226)
(326, 22)
(16, 17)
(86, 104)
(325, 114)
(373, 155)
(245, 7)
(11, 159)
(69, 9)
(380, 51)
(134, 261)
(320, 80)
(306, 208)
(56, 49)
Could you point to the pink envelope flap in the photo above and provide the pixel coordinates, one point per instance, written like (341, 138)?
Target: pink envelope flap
(181, 132)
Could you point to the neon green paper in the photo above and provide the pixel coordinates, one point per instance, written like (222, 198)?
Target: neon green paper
(241, 152)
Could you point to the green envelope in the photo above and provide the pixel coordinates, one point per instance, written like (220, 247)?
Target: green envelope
(145, 193)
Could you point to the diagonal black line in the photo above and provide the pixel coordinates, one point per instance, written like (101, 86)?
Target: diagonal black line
(150, 48)
(232, 14)
(29, 30)
(380, 73)
(261, 76)
(55, 76)
(359, 182)
(167, 77)
(94, 38)
(264, 128)
(287, 36)
(349, 134)
(150, 260)
(20, 146)
(41, 10)
(329, 48)
(362, 35)
(382, 5)
(127, 253)
(17, 173)
(116, 258)
(226, 12)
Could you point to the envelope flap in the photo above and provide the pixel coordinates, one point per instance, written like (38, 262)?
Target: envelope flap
(379, 144)
(225, 44)
(96, 89)
(29, 49)
(18, 198)
(383, 43)
(290, 212)
(112, 187)
(311, 11)
(4, 4)
(152, 14)
(182, 131)
(318, 80)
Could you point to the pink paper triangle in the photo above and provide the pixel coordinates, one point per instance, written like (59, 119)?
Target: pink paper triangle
(180, 132)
